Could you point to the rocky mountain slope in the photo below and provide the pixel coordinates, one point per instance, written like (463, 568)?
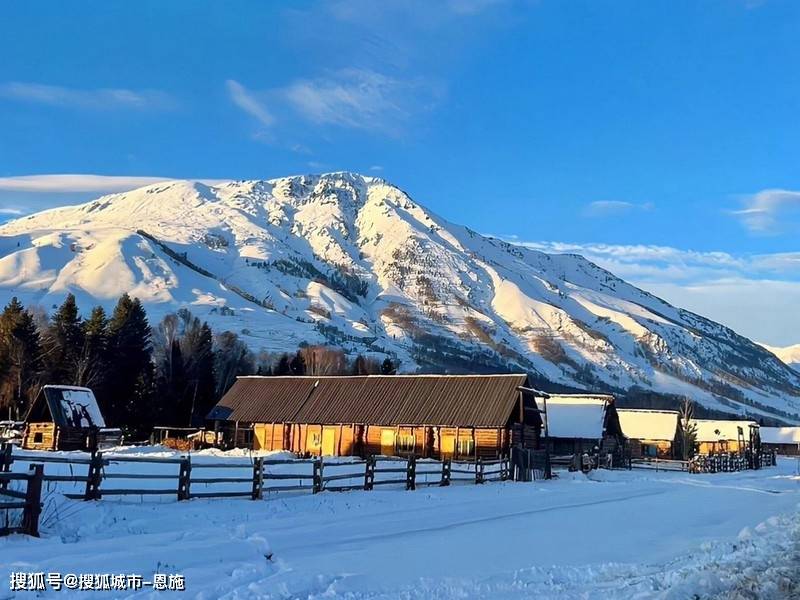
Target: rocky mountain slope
(353, 261)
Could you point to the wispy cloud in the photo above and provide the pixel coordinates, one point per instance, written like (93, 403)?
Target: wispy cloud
(70, 183)
(249, 103)
(348, 98)
(11, 211)
(610, 208)
(96, 99)
(771, 212)
(376, 168)
(361, 99)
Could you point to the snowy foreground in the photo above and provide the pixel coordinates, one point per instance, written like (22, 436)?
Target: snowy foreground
(614, 534)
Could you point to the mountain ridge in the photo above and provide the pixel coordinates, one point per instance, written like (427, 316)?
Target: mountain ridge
(354, 261)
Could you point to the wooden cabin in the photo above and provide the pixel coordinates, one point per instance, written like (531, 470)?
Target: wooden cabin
(63, 418)
(783, 440)
(458, 416)
(577, 423)
(651, 433)
(718, 436)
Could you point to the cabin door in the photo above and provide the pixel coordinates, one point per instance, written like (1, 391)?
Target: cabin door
(328, 441)
(387, 442)
(260, 441)
(448, 445)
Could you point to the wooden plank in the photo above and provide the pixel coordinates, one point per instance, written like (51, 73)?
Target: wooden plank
(220, 494)
(403, 470)
(135, 476)
(128, 492)
(342, 476)
(288, 488)
(286, 476)
(11, 505)
(390, 481)
(143, 459)
(13, 494)
(68, 478)
(222, 480)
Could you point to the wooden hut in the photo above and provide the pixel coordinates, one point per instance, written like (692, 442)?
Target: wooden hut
(63, 418)
(783, 440)
(651, 433)
(460, 416)
(577, 423)
(715, 436)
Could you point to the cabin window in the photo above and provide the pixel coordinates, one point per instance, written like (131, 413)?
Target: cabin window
(38, 437)
(406, 443)
(466, 447)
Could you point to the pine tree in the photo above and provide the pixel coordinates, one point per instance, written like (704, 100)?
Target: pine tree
(130, 367)
(64, 343)
(298, 364)
(231, 359)
(21, 354)
(197, 346)
(688, 428)
(387, 367)
(92, 363)
(283, 367)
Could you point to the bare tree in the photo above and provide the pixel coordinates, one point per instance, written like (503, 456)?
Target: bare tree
(688, 435)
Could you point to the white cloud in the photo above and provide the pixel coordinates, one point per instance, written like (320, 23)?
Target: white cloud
(609, 208)
(97, 99)
(249, 103)
(376, 168)
(771, 211)
(755, 294)
(360, 99)
(68, 183)
(11, 211)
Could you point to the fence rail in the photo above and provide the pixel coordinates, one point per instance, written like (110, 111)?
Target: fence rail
(29, 501)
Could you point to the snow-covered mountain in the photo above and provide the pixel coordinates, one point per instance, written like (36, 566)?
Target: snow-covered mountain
(354, 261)
(788, 354)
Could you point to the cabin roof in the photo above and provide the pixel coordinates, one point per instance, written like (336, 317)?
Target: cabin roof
(641, 424)
(445, 400)
(715, 431)
(577, 416)
(69, 406)
(780, 435)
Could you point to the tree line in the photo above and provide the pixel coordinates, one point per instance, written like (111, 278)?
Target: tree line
(171, 374)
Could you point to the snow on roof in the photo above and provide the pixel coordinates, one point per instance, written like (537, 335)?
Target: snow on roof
(576, 416)
(780, 435)
(715, 431)
(648, 424)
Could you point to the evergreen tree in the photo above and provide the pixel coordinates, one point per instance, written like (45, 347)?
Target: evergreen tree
(197, 347)
(130, 368)
(298, 364)
(688, 427)
(283, 367)
(64, 342)
(92, 362)
(21, 357)
(387, 367)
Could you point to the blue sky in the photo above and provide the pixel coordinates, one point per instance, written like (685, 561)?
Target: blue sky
(658, 138)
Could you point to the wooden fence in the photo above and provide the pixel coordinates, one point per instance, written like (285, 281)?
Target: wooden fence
(29, 501)
(306, 475)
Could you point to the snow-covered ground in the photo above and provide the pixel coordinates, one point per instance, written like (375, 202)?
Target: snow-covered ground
(617, 534)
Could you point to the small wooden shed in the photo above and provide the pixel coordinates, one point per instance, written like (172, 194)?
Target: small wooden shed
(783, 440)
(578, 423)
(715, 436)
(651, 433)
(460, 416)
(63, 418)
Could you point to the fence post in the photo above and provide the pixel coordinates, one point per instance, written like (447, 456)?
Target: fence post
(411, 473)
(445, 472)
(33, 501)
(369, 473)
(504, 468)
(185, 479)
(94, 477)
(479, 471)
(317, 481)
(258, 478)
(6, 459)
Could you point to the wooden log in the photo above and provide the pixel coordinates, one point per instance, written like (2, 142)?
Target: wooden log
(94, 477)
(258, 476)
(185, 479)
(411, 473)
(445, 472)
(369, 473)
(33, 501)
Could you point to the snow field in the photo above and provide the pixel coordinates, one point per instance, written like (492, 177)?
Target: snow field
(614, 534)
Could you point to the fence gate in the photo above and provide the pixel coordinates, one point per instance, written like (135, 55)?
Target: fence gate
(530, 465)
